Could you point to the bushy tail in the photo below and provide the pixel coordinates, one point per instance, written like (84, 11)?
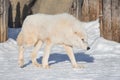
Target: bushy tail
(20, 39)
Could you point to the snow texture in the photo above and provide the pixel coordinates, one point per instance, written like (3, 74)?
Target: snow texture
(102, 61)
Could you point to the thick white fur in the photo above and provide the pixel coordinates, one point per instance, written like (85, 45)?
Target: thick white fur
(61, 29)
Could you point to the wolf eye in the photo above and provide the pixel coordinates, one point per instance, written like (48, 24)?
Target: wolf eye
(83, 40)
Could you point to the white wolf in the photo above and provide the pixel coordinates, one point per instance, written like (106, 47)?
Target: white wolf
(63, 29)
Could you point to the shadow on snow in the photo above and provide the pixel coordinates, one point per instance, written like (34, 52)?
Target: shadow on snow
(57, 57)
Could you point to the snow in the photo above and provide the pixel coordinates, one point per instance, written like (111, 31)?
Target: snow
(101, 62)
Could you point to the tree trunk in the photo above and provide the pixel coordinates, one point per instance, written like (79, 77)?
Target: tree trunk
(115, 20)
(107, 31)
(85, 11)
(101, 17)
(52, 6)
(119, 20)
(3, 20)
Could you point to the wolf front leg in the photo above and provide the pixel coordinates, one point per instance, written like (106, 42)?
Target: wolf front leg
(71, 56)
(34, 53)
(46, 54)
(21, 56)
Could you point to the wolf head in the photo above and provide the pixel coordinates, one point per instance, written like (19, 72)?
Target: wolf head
(89, 30)
(82, 41)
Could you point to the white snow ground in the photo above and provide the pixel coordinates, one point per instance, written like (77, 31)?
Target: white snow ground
(102, 61)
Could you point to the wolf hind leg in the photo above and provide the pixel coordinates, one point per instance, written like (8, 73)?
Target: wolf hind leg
(34, 53)
(46, 54)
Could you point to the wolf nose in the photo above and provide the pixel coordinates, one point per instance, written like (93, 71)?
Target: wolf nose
(88, 48)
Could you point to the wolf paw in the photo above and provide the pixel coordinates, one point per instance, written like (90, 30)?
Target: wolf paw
(78, 66)
(21, 63)
(46, 66)
(36, 64)
(81, 66)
